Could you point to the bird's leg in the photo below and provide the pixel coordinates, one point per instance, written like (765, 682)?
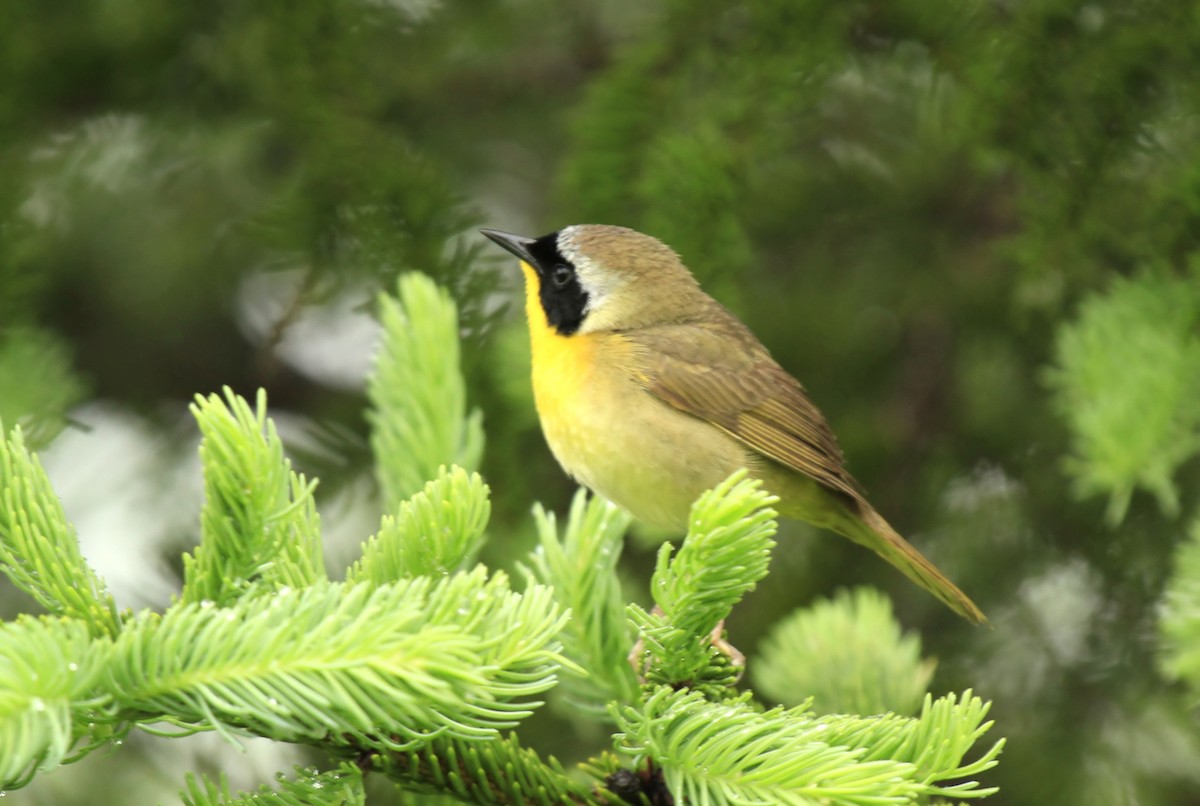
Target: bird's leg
(637, 657)
(640, 663)
(736, 659)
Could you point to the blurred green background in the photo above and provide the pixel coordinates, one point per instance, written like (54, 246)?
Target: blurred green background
(970, 228)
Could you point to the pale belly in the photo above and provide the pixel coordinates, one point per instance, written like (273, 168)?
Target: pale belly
(640, 453)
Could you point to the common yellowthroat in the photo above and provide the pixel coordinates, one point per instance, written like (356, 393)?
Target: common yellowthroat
(650, 392)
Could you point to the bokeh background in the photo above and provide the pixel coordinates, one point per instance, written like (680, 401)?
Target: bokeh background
(923, 207)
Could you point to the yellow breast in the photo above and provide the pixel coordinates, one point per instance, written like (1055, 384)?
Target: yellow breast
(610, 434)
(565, 375)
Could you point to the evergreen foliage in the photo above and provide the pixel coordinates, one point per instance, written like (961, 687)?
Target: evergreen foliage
(357, 666)
(50, 695)
(413, 666)
(437, 531)
(581, 566)
(38, 384)
(39, 551)
(418, 413)
(731, 753)
(1180, 622)
(1127, 380)
(501, 772)
(725, 554)
(339, 787)
(848, 655)
(259, 523)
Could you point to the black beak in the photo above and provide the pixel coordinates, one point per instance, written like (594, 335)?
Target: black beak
(517, 244)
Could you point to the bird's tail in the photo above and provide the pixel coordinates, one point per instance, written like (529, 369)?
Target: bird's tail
(868, 528)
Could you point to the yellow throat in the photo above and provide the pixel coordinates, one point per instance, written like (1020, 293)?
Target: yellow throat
(561, 364)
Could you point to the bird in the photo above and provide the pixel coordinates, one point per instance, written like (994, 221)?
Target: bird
(650, 392)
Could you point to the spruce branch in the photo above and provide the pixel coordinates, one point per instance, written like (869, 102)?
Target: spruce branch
(1179, 622)
(935, 742)
(720, 753)
(437, 531)
(581, 567)
(259, 524)
(49, 700)
(730, 753)
(725, 554)
(1126, 379)
(346, 665)
(39, 551)
(342, 786)
(417, 396)
(39, 385)
(499, 771)
(847, 654)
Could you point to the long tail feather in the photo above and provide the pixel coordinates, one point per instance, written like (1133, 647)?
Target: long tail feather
(869, 529)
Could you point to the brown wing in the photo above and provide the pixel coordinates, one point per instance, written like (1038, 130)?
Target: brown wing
(719, 372)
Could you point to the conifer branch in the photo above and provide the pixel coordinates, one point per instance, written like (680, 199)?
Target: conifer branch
(847, 654)
(1180, 619)
(581, 567)
(727, 550)
(418, 409)
(1126, 382)
(39, 551)
(437, 531)
(338, 787)
(259, 524)
(499, 772)
(730, 753)
(935, 742)
(38, 382)
(49, 702)
(383, 667)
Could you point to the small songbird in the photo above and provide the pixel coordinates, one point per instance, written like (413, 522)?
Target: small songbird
(650, 392)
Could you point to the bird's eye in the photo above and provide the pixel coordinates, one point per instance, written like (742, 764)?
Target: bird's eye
(561, 275)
